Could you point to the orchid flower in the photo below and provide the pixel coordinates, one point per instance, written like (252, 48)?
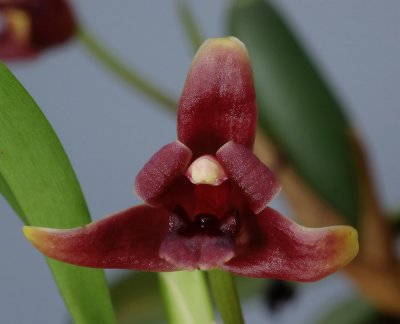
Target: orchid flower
(206, 195)
(31, 26)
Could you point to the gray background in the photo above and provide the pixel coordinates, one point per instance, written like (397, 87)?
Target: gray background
(109, 132)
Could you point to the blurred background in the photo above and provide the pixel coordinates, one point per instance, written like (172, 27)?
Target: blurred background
(109, 132)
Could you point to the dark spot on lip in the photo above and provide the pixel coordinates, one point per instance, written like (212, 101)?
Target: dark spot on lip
(206, 221)
(203, 223)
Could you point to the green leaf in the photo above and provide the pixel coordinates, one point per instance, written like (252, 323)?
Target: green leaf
(225, 294)
(250, 287)
(6, 192)
(353, 311)
(39, 183)
(296, 108)
(137, 299)
(186, 297)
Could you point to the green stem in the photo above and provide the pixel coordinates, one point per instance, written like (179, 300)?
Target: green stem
(128, 74)
(226, 297)
(186, 297)
(189, 24)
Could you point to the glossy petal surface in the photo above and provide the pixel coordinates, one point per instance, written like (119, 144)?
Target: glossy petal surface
(130, 239)
(282, 249)
(165, 166)
(256, 180)
(218, 102)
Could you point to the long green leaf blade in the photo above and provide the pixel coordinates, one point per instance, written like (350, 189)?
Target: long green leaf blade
(40, 184)
(296, 107)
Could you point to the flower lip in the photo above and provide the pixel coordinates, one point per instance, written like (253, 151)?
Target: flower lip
(204, 243)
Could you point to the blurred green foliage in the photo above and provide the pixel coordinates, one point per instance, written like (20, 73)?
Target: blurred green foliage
(296, 108)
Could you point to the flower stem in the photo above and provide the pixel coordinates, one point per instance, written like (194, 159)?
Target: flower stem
(186, 297)
(189, 24)
(225, 294)
(127, 74)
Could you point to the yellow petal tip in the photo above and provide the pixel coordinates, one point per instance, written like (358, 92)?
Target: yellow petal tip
(33, 233)
(223, 45)
(28, 232)
(350, 246)
(227, 42)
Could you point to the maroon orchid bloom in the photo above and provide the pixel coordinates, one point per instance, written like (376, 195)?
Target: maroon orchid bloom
(31, 26)
(206, 195)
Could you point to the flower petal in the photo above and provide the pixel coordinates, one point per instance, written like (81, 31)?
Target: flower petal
(53, 24)
(10, 50)
(15, 36)
(218, 102)
(34, 25)
(258, 182)
(165, 166)
(130, 239)
(282, 249)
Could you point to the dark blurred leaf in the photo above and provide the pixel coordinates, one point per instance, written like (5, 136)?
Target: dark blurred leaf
(39, 183)
(352, 311)
(356, 311)
(137, 299)
(278, 293)
(296, 107)
(250, 287)
(394, 218)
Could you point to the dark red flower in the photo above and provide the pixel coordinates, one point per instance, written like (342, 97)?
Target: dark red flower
(31, 26)
(206, 195)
